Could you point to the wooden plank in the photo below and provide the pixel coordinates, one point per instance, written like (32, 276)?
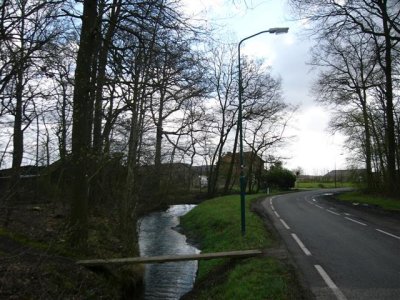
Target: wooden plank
(170, 258)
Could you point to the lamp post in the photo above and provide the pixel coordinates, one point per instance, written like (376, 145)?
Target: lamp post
(277, 30)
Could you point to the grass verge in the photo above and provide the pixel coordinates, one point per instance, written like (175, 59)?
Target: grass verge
(215, 225)
(380, 201)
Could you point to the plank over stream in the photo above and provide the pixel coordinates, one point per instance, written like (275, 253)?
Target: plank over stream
(170, 258)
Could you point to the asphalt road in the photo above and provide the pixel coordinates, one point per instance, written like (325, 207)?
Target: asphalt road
(342, 252)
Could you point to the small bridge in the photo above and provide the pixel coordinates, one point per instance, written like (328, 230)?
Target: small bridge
(170, 258)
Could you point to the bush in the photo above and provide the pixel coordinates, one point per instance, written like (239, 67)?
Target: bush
(278, 177)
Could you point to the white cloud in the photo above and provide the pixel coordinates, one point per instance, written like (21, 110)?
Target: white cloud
(315, 150)
(259, 49)
(202, 6)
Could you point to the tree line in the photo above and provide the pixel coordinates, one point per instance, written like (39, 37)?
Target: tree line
(357, 55)
(104, 85)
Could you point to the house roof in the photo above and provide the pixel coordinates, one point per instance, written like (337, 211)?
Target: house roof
(345, 173)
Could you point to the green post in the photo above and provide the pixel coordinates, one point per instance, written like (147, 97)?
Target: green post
(241, 158)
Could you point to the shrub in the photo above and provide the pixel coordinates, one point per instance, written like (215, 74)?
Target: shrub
(281, 178)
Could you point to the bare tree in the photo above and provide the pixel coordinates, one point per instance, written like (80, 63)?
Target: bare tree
(265, 127)
(224, 89)
(178, 79)
(350, 70)
(27, 28)
(380, 20)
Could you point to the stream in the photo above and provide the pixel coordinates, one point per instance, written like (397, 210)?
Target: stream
(158, 237)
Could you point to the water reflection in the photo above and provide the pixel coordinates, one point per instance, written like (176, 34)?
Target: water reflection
(157, 237)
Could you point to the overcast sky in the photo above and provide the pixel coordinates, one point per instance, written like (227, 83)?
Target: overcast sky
(314, 149)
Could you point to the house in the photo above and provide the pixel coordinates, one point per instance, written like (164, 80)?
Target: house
(252, 162)
(253, 167)
(28, 185)
(25, 171)
(175, 176)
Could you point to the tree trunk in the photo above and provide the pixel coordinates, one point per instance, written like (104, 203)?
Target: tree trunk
(214, 169)
(130, 201)
(63, 125)
(250, 173)
(13, 192)
(231, 164)
(379, 151)
(18, 135)
(81, 126)
(110, 121)
(367, 134)
(392, 184)
(213, 181)
(158, 146)
(101, 78)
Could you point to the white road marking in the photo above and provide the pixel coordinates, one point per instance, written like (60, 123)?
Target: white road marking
(329, 282)
(355, 221)
(390, 234)
(301, 245)
(319, 206)
(333, 212)
(284, 224)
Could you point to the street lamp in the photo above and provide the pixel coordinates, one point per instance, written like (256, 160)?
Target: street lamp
(277, 30)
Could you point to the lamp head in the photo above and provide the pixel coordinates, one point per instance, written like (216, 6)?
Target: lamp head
(279, 30)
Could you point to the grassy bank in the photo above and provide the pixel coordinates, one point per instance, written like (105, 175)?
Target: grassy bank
(215, 225)
(380, 201)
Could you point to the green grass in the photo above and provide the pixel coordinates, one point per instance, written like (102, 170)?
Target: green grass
(360, 197)
(215, 224)
(323, 185)
(252, 279)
